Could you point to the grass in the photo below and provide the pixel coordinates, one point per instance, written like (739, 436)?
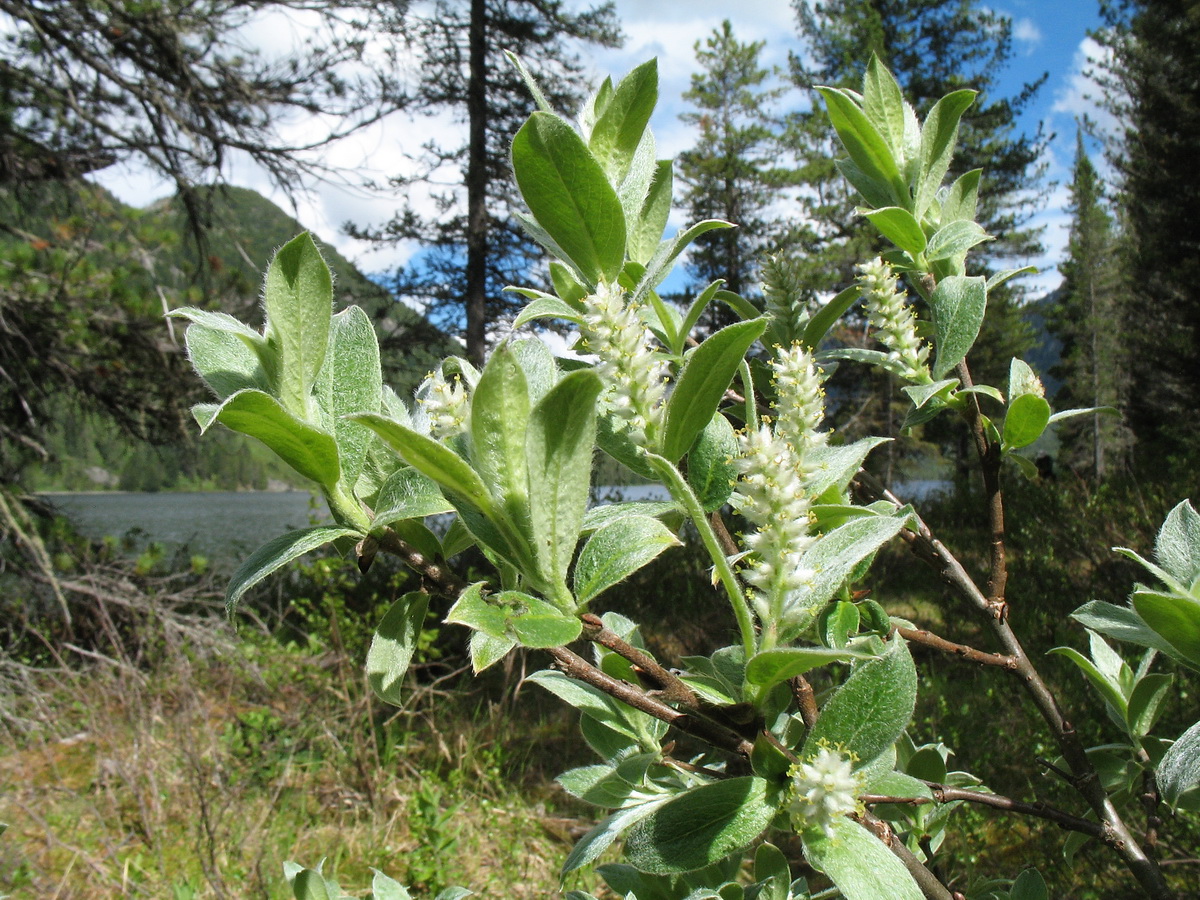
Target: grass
(200, 776)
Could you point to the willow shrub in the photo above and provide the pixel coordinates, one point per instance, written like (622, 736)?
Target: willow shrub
(701, 768)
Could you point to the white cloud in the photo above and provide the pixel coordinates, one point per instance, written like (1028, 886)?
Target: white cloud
(1026, 32)
(1078, 94)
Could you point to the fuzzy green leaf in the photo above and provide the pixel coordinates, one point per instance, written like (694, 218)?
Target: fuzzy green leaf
(827, 316)
(570, 196)
(350, 382)
(711, 471)
(898, 226)
(1180, 767)
(954, 240)
(859, 864)
(408, 494)
(697, 828)
(309, 450)
(393, 645)
(871, 708)
(1106, 687)
(646, 231)
(1144, 702)
(559, 446)
(707, 373)
(868, 150)
(1175, 619)
(961, 199)
(938, 136)
(276, 554)
(619, 128)
(776, 666)
(958, 307)
(596, 841)
(1177, 547)
(1025, 421)
(226, 360)
(616, 551)
(499, 424)
(298, 295)
(548, 308)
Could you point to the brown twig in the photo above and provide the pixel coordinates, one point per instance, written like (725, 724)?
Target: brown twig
(929, 884)
(962, 651)
(806, 700)
(575, 666)
(671, 687)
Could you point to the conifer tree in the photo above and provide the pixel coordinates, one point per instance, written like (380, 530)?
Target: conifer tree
(1152, 86)
(471, 247)
(933, 46)
(1085, 321)
(733, 172)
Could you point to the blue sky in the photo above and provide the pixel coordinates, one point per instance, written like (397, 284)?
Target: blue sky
(1050, 36)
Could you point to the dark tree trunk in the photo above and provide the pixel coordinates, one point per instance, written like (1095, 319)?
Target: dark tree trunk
(477, 184)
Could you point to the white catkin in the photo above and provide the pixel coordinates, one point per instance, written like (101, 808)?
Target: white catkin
(632, 368)
(894, 321)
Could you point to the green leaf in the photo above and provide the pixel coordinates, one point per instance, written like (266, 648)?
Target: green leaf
(868, 150)
(616, 551)
(1175, 620)
(536, 623)
(827, 316)
(559, 446)
(596, 841)
(770, 864)
(954, 240)
(703, 825)
(872, 707)
(569, 195)
(1029, 885)
(593, 702)
(565, 284)
(276, 554)
(499, 424)
(958, 307)
(647, 230)
(535, 91)
(668, 250)
(836, 555)
(1025, 421)
(772, 667)
(548, 308)
(351, 381)
(309, 450)
(1086, 411)
(938, 136)
(408, 494)
(920, 394)
(707, 373)
(476, 611)
(859, 864)
(711, 471)
(618, 129)
(1144, 702)
(878, 358)
(433, 459)
(883, 103)
(961, 199)
(898, 784)
(487, 650)
(309, 884)
(225, 361)
(393, 645)
(1177, 547)
(1180, 767)
(898, 226)
(298, 295)
(1023, 380)
(1121, 623)
(1107, 688)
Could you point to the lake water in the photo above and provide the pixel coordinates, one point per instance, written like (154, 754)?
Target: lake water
(224, 526)
(227, 526)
